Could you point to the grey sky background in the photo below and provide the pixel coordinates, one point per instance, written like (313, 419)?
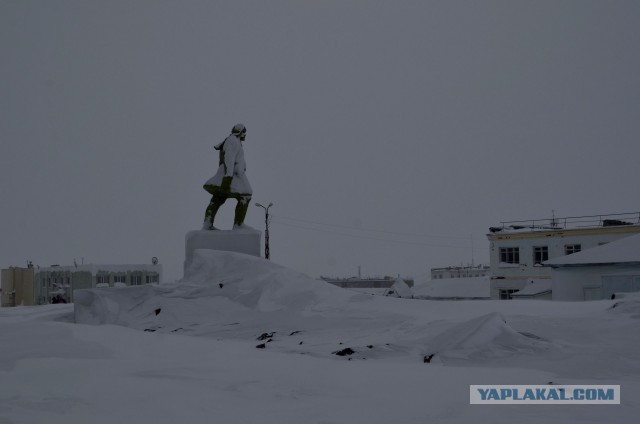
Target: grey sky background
(387, 134)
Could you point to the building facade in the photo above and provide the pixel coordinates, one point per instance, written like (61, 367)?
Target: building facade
(16, 287)
(519, 249)
(57, 283)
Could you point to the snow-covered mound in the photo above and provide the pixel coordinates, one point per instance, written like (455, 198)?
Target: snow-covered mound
(229, 295)
(485, 337)
(257, 283)
(627, 303)
(400, 289)
(220, 289)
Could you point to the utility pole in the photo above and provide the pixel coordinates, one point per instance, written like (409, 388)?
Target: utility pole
(472, 262)
(266, 230)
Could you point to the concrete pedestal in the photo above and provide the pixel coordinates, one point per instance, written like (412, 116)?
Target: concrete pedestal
(245, 240)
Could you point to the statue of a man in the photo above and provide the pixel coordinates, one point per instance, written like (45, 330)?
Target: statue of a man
(230, 180)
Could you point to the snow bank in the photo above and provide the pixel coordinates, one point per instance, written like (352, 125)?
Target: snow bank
(257, 283)
(488, 336)
(400, 289)
(233, 296)
(228, 295)
(627, 303)
(219, 288)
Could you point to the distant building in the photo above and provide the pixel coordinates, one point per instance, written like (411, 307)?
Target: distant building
(54, 281)
(470, 288)
(469, 271)
(519, 249)
(16, 287)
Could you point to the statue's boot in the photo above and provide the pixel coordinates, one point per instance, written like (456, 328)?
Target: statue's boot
(212, 210)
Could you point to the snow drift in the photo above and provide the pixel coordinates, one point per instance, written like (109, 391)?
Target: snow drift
(235, 296)
(220, 290)
(484, 337)
(627, 303)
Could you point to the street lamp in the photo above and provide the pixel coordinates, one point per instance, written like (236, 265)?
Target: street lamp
(266, 231)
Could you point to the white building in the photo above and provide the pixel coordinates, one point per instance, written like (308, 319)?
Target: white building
(62, 281)
(518, 249)
(597, 273)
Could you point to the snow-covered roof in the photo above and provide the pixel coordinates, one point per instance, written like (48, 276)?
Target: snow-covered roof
(624, 250)
(533, 288)
(453, 288)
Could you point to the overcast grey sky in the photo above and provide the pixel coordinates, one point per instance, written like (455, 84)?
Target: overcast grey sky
(387, 134)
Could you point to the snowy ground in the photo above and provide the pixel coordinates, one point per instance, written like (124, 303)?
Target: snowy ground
(188, 353)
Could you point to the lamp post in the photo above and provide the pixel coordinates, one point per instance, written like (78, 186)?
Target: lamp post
(266, 231)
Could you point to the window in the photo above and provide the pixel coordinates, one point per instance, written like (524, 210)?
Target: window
(136, 280)
(152, 279)
(120, 278)
(572, 248)
(505, 294)
(510, 255)
(102, 279)
(540, 254)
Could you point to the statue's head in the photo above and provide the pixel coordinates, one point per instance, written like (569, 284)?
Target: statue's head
(239, 131)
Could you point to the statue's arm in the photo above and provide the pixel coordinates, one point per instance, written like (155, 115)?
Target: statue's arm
(231, 150)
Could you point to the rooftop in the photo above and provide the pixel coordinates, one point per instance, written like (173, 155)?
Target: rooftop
(569, 223)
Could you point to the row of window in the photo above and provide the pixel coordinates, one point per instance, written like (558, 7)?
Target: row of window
(511, 255)
(54, 281)
(458, 276)
(135, 280)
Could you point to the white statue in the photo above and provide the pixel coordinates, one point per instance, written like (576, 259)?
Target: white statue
(230, 180)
